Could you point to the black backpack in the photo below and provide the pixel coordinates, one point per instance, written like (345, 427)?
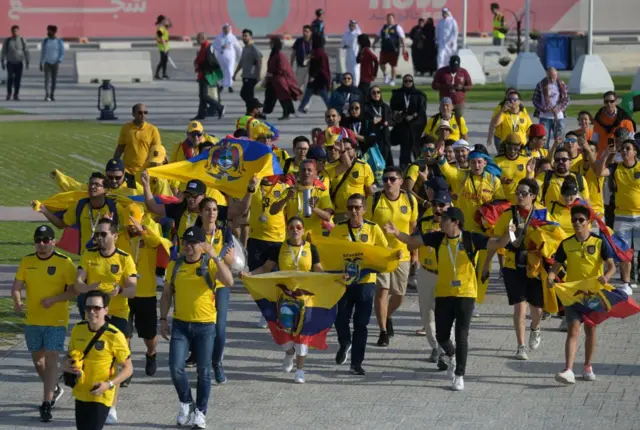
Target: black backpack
(547, 181)
(210, 61)
(467, 244)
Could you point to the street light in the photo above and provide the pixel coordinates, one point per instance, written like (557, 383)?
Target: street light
(107, 101)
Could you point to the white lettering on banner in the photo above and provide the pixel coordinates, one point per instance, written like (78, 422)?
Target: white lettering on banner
(132, 6)
(406, 4)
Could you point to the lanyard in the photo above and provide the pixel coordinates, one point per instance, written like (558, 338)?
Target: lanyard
(407, 102)
(475, 190)
(354, 237)
(356, 127)
(514, 120)
(135, 250)
(378, 111)
(294, 259)
(94, 224)
(189, 220)
(213, 236)
(451, 256)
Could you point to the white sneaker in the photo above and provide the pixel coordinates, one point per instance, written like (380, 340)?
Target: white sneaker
(588, 374)
(535, 337)
(626, 287)
(262, 323)
(386, 79)
(458, 383)
(633, 285)
(185, 415)
(451, 363)
(159, 281)
(566, 377)
(475, 313)
(521, 353)
(392, 82)
(563, 325)
(299, 377)
(287, 363)
(199, 420)
(112, 418)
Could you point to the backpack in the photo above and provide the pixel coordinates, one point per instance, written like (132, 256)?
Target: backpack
(547, 181)
(467, 244)
(436, 118)
(210, 61)
(204, 268)
(378, 194)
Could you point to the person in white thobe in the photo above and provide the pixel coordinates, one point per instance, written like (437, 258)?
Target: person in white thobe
(227, 50)
(350, 44)
(447, 37)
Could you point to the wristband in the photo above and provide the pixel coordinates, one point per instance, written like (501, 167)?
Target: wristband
(251, 190)
(163, 319)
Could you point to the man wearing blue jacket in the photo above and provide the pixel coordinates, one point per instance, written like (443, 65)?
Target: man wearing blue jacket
(51, 55)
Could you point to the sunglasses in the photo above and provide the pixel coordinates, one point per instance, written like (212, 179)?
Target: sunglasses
(195, 134)
(90, 308)
(44, 240)
(578, 220)
(346, 79)
(295, 227)
(95, 184)
(376, 92)
(408, 81)
(101, 234)
(571, 140)
(428, 149)
(354, 207)
(391, 179)
(523, 193)
(514, 100)
(610, 101)
(562, 160)
(355, 108)
(115, 178)
(143, 112)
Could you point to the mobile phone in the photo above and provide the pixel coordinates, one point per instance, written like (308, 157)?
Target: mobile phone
(611, 141)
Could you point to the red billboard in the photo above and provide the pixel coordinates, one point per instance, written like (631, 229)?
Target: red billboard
(136, 18)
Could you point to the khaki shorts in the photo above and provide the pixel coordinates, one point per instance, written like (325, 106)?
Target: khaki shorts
(395, 282)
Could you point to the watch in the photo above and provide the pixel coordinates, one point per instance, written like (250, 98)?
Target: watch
(111, 385)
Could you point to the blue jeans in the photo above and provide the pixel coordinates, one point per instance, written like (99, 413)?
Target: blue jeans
(222, 307)
(357, 300)
(308, 92)
(548, 124)
(201, 336)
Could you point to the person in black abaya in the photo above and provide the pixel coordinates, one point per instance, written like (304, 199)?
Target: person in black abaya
(418, 49)
(409, 108)
(377, 117)
(430, 52)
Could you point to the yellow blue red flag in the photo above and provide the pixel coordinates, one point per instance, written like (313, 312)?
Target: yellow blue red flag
(227, 167)
(299, 307)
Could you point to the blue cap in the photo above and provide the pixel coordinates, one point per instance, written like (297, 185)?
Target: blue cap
(442, 196)
(446, 100)
(317, 153)
(115, 165)
(437, 184)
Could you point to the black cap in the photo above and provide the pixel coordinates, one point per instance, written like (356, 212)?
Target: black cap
(115, 165)
(622, 133)
(442, 196)
(255, 103)
(454, 59)
(569, 189)
(479, 147)
(317, 153)
(194, 234)
(44, 232)
(455, 214)
(195, 186)
(437, 184)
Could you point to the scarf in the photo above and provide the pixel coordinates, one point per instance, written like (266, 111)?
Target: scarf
(492, 168)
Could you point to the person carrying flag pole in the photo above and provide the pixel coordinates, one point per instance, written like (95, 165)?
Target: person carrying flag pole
(586, 256)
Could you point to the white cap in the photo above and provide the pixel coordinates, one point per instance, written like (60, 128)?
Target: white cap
(461, 144)
(445, 9)
(445, 124)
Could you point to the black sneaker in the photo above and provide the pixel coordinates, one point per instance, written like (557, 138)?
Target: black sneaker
(343, 353)
(126, 382)
(53, 99)
(230, 89)
(57, 393)
(166, 77)
(442, 363)
(383, 340)
(191, 361)
(150, 366)
(390, 327)
(222, 111)
(357, 369)
(45, 412)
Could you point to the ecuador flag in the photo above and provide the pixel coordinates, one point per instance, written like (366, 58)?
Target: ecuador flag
(227, 167)
(596, 302)
(299, 307)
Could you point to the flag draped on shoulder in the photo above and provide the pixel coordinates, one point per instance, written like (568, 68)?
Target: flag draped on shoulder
(299, 307)
(227, 167)
(596, 302)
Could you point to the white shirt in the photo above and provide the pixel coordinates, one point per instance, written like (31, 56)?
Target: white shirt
(554, 98)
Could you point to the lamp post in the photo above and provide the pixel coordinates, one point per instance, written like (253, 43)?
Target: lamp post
(107, 101)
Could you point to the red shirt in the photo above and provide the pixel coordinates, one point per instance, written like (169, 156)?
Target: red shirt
(202, 56)
(444, 78)
(368, 66)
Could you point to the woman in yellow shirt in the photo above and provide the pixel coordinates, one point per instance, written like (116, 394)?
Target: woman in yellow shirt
(294, 254)
(512, 118)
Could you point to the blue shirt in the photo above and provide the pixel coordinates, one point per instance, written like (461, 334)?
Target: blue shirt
(52, 51)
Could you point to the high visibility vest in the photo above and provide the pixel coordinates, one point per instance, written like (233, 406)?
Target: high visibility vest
(243, 122)
(498, 23)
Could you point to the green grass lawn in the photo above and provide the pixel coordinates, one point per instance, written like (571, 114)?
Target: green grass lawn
(33, 149)
(11, 323)
(16, 240)
(5, 111)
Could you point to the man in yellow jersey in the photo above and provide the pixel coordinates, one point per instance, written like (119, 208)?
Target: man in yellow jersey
(498, 25)
(319, 155)
(422, 170)
(595, 183)
(264, 135)
(191, 288)
(159, 186)
(590, 257)
(624, 184)
(142, 245)
(521, 289)
(392, 204)
(190, 146)
(105, 350)
(511, 119)
(537, 143)
(458, 131)
(163, 24)
(358, 299)
(118, 181)
(306, 200)
(108, 269)
(461, 150)
(351, 176)
(515, 166)
(573, 144)
(301, 145)
(47, 277)
(457, 285)
(551, 181)
(136, 140)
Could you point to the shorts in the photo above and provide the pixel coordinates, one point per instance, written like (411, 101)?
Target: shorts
(521, 288)
(459, 110)
(395, 282)
(570, 315)
(49, 338)
(628, 228)
(390, 58)
(122, 325)
(143, 312)
(258, 251)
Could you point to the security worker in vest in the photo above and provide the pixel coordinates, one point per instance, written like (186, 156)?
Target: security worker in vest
(498, 25)
(252, 117)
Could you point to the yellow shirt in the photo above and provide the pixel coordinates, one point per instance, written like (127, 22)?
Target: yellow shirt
(501, 228)
(282, 156)
(101, 360)
(427, 254)
(263, 225)
(513, 123)
(370, 233)
(538, 153)
(159, 186)
(553, 192)
(595, 184)
(361, 176)
(561, 214)
(144, 252)
(88, 221)
(217, 241)
(177, 153)
(295, 207)
(628, 189)
(109, 272)
(584, 259)
(456, 131)
(402, 212)
(464, 282)
(301, 258)
(498, 110)
(45, 278)
(472, 191)
(194, 300)
(137, 142)
(515, 170)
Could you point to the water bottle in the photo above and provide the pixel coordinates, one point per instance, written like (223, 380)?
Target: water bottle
(306, 198)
